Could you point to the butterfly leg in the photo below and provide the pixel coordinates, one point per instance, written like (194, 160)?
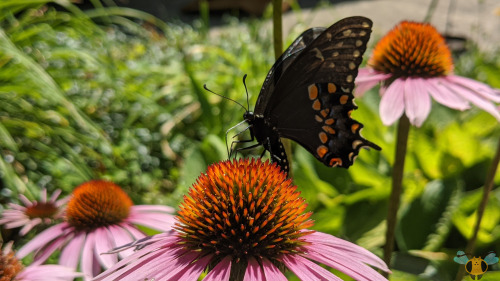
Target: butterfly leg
(229, 152)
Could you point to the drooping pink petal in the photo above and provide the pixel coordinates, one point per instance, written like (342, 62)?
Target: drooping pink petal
(271, 272)
(180, 266)
(474, 98)
(44, 253)
(153, 248)
(307, 270)
(104, 244)
(444, 95)
(319, 239)
(71, 253)
(392, 103)
(136, 233)
(484, 90)
(253, 271)
(47, 272)
(367, 78)
(42, 239)
(221, 272)
(194, 270)
(121, 237)
(87, 261)
(417, 101)
(345, 264)
(161, 222)
(29, 226)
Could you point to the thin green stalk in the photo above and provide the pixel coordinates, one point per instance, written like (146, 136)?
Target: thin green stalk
(397, 187)
(488, 187)
(430, 10)
(277, 28)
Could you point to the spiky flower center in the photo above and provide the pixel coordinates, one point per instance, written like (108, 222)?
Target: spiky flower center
(10, 266)
(41, 210)
(244, 209)
(412, 49)
(97, 203)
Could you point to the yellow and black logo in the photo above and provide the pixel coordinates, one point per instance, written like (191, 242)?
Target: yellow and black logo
(476, 266)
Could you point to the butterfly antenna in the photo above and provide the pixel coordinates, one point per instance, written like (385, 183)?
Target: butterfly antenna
(207, 89)
(246, 90)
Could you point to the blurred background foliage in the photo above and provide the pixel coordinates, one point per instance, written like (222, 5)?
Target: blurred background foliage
(115, 93)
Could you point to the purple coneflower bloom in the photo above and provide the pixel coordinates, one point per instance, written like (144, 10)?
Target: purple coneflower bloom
(12, 269)
(243, 220)
(99, 217)
(414, 64)
(33, 212)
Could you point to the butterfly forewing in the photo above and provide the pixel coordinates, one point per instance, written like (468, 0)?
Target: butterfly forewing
(312, 99)
(283, 62)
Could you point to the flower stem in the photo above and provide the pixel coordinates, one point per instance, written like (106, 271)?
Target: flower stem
(488, 186)
(397, 184)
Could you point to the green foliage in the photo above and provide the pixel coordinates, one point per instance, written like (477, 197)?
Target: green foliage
(115, 93)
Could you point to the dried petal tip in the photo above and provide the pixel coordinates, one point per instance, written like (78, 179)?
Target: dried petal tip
(97, 203)
(412, 50)
(244, 209)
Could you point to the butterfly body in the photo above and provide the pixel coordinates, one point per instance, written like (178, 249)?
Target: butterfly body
(307, 96)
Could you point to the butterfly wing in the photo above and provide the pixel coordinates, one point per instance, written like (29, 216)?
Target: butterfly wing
(282, 63)
(461, 257)
(491, 258)
(312, 99)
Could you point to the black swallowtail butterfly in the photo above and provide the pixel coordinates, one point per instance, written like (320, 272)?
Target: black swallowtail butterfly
(307, 96)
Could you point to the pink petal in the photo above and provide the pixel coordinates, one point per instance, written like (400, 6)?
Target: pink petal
(70, 255)
(29, 226)
(182, 265)
(307, 270)
(484, 90)
(42, 239)
(271, 272)
(152, 208)
(25, 201)
(445, 96)
(87, 262)
(136, 233)
(44, 253)
(103, 244)
(367, 78)
(121, 237)
(417, 101)
(360, 253)
(253, 271)
(43, 195)
(392, 103)
(168, 245)
(193, 271)
(54, 196)
(475, 98)
(345, 264)
(47, 273)
(220, 272)
(161, 222)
